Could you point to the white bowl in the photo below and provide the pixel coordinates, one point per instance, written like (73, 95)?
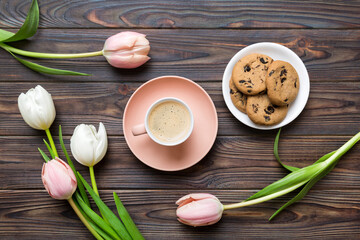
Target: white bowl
(276, 52)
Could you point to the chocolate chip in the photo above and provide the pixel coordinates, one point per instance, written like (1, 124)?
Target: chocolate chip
(286, 100)
(263, 61)
(231, 91)
(270, 109)
(248, 86)
(250, 82)
(283, 80)
(295, 84)
(267, 118)
(283, 67)
(247, 68)
(241, 81)
(275, 106)
(283, 72)
(271, 73)
(255, 109)
(257, 66)
(249, 91)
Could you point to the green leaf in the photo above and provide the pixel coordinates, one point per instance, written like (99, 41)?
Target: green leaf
(326, 156)
(276, 153)
(79, 183)
(126, 219)
(29, 27)
(5, 34)
(107, 213)
(46, 158)
(91, 222)
(306, 188)
(49, 148)
(294, 178)
(46, 70)
(96, 218)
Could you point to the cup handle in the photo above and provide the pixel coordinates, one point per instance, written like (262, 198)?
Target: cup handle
(138, 129)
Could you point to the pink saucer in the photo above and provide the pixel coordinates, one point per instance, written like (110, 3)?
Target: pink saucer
(195, 147)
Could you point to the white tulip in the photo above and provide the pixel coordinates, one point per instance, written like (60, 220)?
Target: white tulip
(88, 146)
(37, 108)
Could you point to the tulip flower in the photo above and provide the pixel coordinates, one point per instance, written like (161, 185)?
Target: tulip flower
(199, 209)
(37, 108)
(89, 146)
(127, 50)
(58, 178)
(38, 111)
(122, 50)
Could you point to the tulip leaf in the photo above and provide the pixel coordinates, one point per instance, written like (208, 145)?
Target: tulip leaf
(49, 148)
(46, 158)
(292, 179)
(79, 183)
(107, 213)
(28, 28)
(306, 188)
(276, 153)
(96, 218)
(91, 222)
(42, 69)
(5, 34)
(126, 219)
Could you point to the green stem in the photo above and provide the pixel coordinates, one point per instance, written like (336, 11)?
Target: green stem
(49, 55)
(344, 148)
(265, 198)
(93, 181)
(83, 220)
(52, 144)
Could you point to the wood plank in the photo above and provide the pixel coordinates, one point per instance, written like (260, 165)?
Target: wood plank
(330, 106)
(239, 162)
(185, 14)
(201, 55)
(329, 214)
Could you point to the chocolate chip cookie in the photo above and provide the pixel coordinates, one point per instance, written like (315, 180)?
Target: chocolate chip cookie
(282, 82)
(261, 111)
(249, 73)
(237, 97)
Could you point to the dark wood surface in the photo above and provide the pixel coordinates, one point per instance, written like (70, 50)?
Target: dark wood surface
(194, 39)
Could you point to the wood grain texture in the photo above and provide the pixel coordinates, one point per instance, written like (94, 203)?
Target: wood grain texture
(201, 55)
(317, 216)
(185, 14)
(336, 105)
(239, 162)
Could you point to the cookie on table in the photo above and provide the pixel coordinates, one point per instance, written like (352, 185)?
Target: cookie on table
(237, 97)
(282, 82)
(261, 111)
(249, 73)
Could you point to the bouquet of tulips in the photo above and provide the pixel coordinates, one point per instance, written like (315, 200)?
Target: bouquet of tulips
(63, 182)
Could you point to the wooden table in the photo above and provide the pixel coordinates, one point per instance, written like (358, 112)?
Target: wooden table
(194, 39)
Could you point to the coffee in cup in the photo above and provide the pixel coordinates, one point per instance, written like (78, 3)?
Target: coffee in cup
(169, 122)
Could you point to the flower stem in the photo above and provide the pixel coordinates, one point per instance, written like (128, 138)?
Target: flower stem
(52, 144)
(263, 199)
(93, 181)
(83, 220)
(49, 55)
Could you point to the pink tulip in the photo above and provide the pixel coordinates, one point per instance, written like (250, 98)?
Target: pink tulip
(127, 50)
(199, 209)
(58, 178)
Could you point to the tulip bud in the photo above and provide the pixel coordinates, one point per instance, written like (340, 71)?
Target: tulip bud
(37, 108)
(126, 50)
(58, 178)
(199, 209)
(88, 146)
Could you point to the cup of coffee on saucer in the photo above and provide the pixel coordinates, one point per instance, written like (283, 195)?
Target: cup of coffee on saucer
(168, 122)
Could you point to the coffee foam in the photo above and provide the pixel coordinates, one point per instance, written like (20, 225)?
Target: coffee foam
(169, 121)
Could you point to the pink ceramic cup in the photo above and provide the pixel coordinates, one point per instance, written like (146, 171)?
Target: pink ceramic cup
(144, 127)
